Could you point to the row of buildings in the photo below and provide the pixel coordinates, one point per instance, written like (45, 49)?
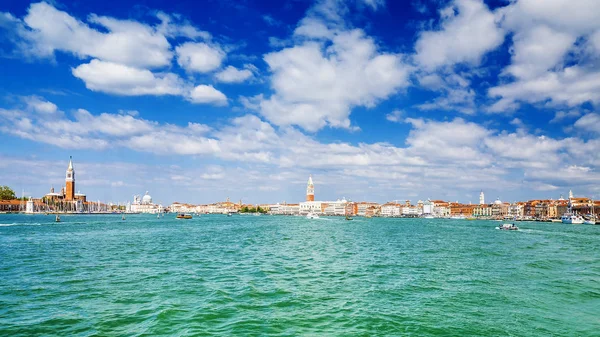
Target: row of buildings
(532, 209)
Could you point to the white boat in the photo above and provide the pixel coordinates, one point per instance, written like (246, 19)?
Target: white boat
(589, 222)
(458, 217)
(429, 217)
(312, 216)
(570, 218)
(256, 214)
(508, 227)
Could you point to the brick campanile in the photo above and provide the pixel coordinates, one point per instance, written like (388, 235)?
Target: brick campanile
(70, 182)
(310, 190)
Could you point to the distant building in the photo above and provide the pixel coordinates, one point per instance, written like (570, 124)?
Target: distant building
(67, 193)
(144, 205)
(310, 190)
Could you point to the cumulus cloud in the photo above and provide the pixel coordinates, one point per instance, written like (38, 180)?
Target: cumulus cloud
(438, 155)
(125, 54)
(589, 123)
(316, 86)
(395, 116)
(115, 78)
(232, 74)
(547, 63)
(199, 57)
(207, 94)
(468, 30)
(126, 42)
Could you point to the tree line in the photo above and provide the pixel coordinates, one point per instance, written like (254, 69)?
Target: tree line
(6, 193)
(257, 209)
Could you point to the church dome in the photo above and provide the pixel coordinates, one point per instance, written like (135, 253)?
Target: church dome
(498, 202)
(147, 199)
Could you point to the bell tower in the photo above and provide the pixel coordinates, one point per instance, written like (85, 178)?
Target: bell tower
(70, 181)
(310, 190)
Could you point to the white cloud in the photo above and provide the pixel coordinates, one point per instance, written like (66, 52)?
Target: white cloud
(40, 105)
(126, 42)
(316, 86)
(233, 75)
(589, 123)
(172, 26)
(395, 116)
(207, 94)
(548, 63)
(438, 157)
(562, 115)
(199, 57)
(120, 79)
(570, 86)
(468, 31)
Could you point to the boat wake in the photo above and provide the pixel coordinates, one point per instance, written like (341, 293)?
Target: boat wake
(19, 224)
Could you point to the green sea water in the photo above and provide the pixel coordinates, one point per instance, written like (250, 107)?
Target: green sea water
(93, 275)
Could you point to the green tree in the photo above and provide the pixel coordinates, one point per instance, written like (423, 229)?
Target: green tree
(6, 193)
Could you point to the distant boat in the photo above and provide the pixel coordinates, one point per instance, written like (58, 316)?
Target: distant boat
(123, 217)
(570, 218)
(312, 216)
(508, 227)
(256, 214)
(184, 216)
(158, 216)
(429, 216)
(458, 217)
(57, 218)
(348, 218)
(229, 214)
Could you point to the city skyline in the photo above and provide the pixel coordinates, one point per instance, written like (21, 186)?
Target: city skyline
(377, 100)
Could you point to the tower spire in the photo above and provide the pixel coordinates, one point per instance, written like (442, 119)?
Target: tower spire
(70, 163)
(310, 189)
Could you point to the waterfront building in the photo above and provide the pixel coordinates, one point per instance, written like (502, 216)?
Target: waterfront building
(391, 209)
(428, 207)
(364, 208)
(499, 209)
(482, 210)
(410, 210)
(338, 207)
(458, 209)
(144, 205)
(316, 207)
(284, 209)
(29, 206)
(515, 210)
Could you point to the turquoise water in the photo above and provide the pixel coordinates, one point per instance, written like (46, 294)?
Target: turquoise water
(289, 276)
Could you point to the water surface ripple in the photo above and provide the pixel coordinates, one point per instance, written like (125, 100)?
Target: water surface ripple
(289, 276)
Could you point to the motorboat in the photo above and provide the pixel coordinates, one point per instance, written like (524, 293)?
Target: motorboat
(429, 216)
(57, 218)
(229, 214)
(184, 216)
(570, 218)
(312, 216)
(348, 218)
(458, 217)
(508, 227)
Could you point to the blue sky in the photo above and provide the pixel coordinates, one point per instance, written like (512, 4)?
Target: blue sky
(378, 100)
